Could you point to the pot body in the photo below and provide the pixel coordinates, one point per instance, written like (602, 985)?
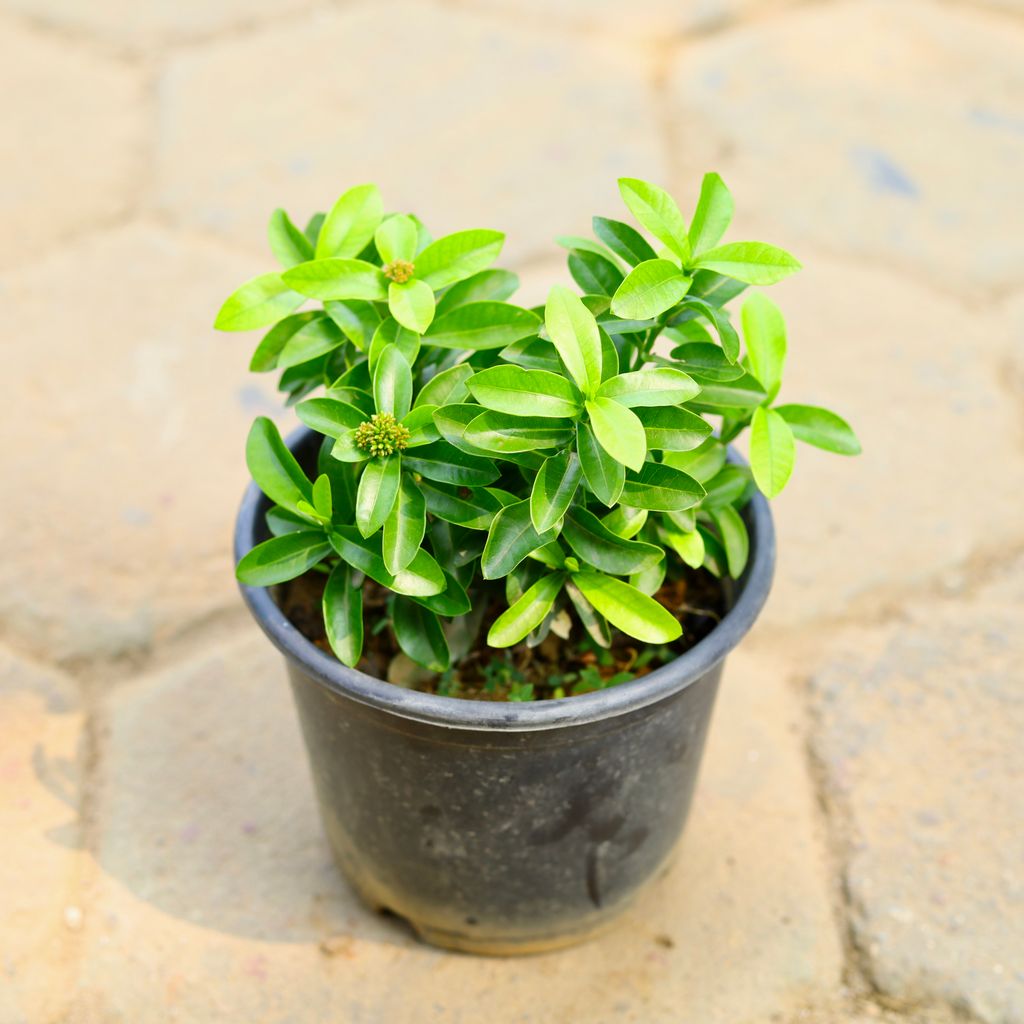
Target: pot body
(502, 842)
(498, 827)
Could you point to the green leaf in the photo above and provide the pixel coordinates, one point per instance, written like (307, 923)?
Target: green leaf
(764, 331)
(274, 341)
(446, 464)
(512, 389)
(288, 244)
(657, 386)
(510, 539)
(419, 634)
(282, 558)
(672, 429)
(649, 579)
(717, 289)
(391, 332)
(419, 421)
(702, 462)
(619, 431)
(452, 602)
(661, 488)
(574, 333)
(553, 489)
(357, 318)
(421, 578)
(594, 624)
(580, 244)
(378, 490)
(476, 511)
(343, 615)
(458, 256)
(447, 387)
(820, 427)
(627, 608)
(735, 540)
(404, 527)
(712, 216)
(501, 433)
(657, 211)
(533, 354)
(743, 393)
(395, 239)
(412, 304)
(323, 499)
(687, 544)
(625, 521)
(494, 284)
(625, 241)
(346, 450)
(483, 325)
(314, 339)
(274, 468)
(350, 225)
(313, 228)
(723, 325)
(335, 278)
(650, 289)
(392, 382)
(602, 548)
(726, 487)
(603, 474)
(526, 614)
(594, 274)
(258, 303)
(706, 362)
(772, 451)
(750, 262)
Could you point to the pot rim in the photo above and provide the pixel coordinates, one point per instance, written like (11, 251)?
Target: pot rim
(507, 716)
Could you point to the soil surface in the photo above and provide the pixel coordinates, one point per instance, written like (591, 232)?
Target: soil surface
(558, 666)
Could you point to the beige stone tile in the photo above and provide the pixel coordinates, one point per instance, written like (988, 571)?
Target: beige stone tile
(920, 726)
(216, 899)
(73, 140)
(470, 121)
(40, 778)
(890, 132)
(132, 415)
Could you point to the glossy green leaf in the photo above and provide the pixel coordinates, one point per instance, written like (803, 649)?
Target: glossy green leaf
(603, 474)
(336, 278)
(458, 256)
(475, 511)
(717, 289)
(702, 462)
(404, 527)
(687, 544)
(600, 547)
(345, 448)
(419, 421)
(657, 211)
(391, 332)
(288, 244)
(574, 333)
(273, 466)
(392, 382)
(447, 387)
(706, 362)
(625, 241)
(594, 274)
(650, 289)
(625, 521)
(627, 608)
(578, 243)
(280, 521)
(726, 487)
(619, 431)
(719, 318)
(421, 578)
(764, 331)
(282, 558)
(314, 339)
(650, 387)
(500, 433)
(274, 341)
(420, 635)
(533, 354)
(772, 451)
(672, 429)
(510, 539)
(733, 533)
(378, 490)
(820, 427)
(488, 285)
(446, 464)
(650, 578)
(511, 389)
(343, 615)
(526, 614)
(357, 318)
(482, 325)
(350, 224)
(453, 601)
(712, 216)
(553, 489)
(395, 239)
(412, 304)
(661, 488)
(745, 392)
(258, 303)
(750, 262)
(323, 499)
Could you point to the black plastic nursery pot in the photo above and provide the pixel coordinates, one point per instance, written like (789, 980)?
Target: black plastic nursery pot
(497, 827)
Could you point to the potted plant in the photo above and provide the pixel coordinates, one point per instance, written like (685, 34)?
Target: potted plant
(508, 553)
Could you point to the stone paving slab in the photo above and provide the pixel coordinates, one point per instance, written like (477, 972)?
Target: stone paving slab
(886, 131)
(65, 108)
(470, 121)
(216, 899)
(40, 781)
(138, 414)
(920, 738)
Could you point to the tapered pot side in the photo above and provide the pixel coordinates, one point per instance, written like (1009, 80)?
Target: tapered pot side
(499, 827)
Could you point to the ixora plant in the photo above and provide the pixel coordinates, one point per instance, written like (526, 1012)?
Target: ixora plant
(526, 506)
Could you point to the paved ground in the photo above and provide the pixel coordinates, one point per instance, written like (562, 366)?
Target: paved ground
(857, 847)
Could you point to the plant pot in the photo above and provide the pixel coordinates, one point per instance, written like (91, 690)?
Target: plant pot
(504, 827)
